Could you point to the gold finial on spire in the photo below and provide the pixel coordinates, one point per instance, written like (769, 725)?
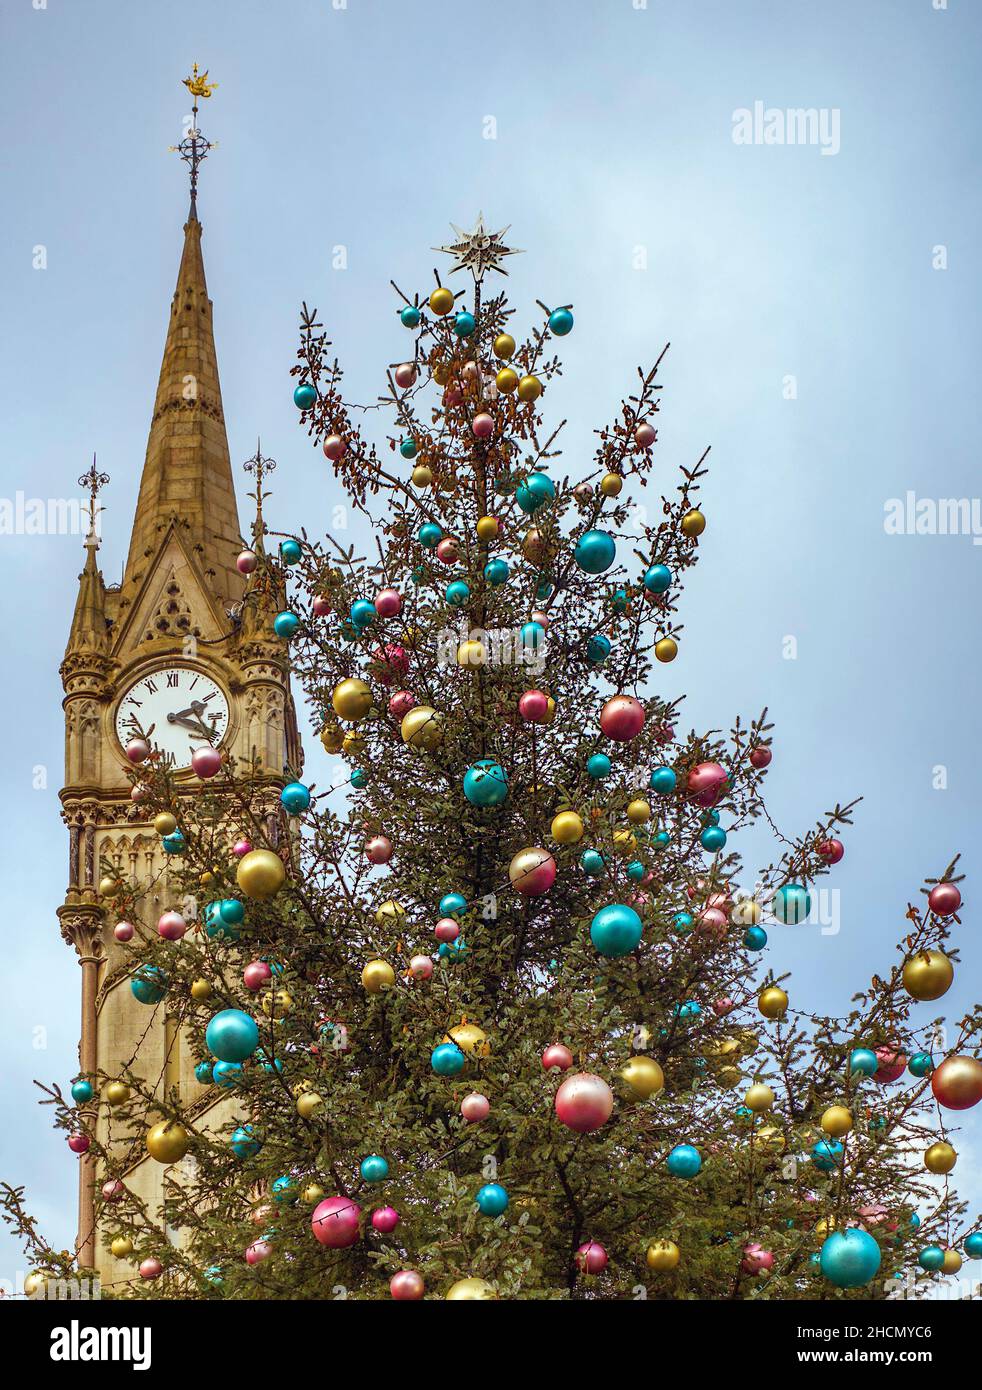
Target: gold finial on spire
(194, 148)
(198, 84)
(93, 481)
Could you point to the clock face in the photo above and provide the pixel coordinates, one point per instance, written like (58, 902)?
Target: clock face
(187, 709)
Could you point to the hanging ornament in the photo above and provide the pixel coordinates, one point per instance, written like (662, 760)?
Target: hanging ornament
(927, 975)
(837, 1121)
(377, 975)
(171, 926)
(492, 1199)
(693, 523)
(379, 850)
(595, 551)
(584, 1102)
(566, 828)
(304, 396)
(247, 561)
(295, 798)
(890, 1064)
(622, 718)
(422, 728)
(206, 762)
(168, 1142)
(485, 783)
(772, 1002)
(940, 1158)
(232, 1036)
(944, 899)
(447, 1059)
(684, 1161)
(791, 904)
(957, 1083)
(591, 1257)
(644, 1076)
(334, 1222)
(475, 1108)
(850, 1258)
(260, 874)
(470, 1290)
(557, 1057)
(532, 872)
(616, 930)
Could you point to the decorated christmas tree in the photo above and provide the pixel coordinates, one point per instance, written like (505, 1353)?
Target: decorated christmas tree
(489, 1015)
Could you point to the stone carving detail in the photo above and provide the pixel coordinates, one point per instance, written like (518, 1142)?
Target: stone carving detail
(173, 616)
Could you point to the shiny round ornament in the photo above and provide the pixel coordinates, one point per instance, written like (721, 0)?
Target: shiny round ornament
(482, 425)
(529, 388)
(148, 985)
(295, 798)
(532, 872)
(772, 1002)
(475, 1108)
(377, 975)
(849, 1259)
(286, 624)
(837, 1121)
(643, 1075)
(622, 718)
(557, 1057)
(693, 523)
(121, 1247)
(334, 1222)
(492, 1199)
(352, 699)
(260, 874)
(591, 1257)
(684, 1161)
(245, 1143)
(890, 1064)
(944, 899)
(407, 1286)
(447, 1059)
(151, 1268)
(598, 766)
(791, 904)
(973, 1245)
(304, 396)
(82, 1092)
(957, 1083)
(232, 1036)
(616, 930)
(117, 1093)
(470, 1290)
(928, 975)
(644, 435)
(863, 1061)
(584, 1102)
(441, 300)
(561, 322)
(422, 728)
(566, 828)
(534, 492)
(940, 1158)
(826, 1155)
(504, 345)
(168, 1142)
(485, 783)
(595, 551)
(247, 561)
(759, 1098)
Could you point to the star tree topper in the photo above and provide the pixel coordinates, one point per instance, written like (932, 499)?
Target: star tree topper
(479, 250)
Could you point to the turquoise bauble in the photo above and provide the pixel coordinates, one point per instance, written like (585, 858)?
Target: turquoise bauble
(598, 649)
(202, 1073)
(363, 613)
(688, 1011)
(270, 1066)
(636, 871)
(931, 1258)
(496, 572)
(410, 316)
(82, 1092)
(684, 1161)
(447, 1059)
(595, 552)
(598, 765)
(616, 930)
(661, 839)
(285, 624)
(864, 1061)
(658, 579)
(791, 904)
(620, 601)
(561, 322)
(826, 1155)
(663, 780)
(149, 985)
(374, 1168)
(712, 839)
(174, 844)
(232, 1035)
(683, 922)
(533, 636)
(592, 862)
(407, 447)
(485, 783)
(458, 593)
(430, 535)
(491, 1199)
(295, 798)
(290, 552)
(463, 324)
(452, 950)
(359, 779)
(452, 904)
(284, 1189)
(850, 1258)
(544, 589)
(231, 911)
(226, 1074)
(755, 938)
(535, 491)
(304, 396)
(973, 1245)
(244, 1142)
(921, 1064)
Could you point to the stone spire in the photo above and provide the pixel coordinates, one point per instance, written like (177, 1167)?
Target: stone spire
(88, 633)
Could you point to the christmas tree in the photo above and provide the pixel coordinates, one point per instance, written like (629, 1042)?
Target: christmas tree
(487, 1017)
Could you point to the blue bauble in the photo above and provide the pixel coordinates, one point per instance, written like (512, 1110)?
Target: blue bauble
(931, 1258)
(683, 922)
(496, 572)
(290, 552)
(485, 783)
(410, 316)
(663, 780)
(598, 649)
(620, 601)
(535, 491)
(285, 624)
(363, 613)
(755, 938)
(202, 1073)
(592, 862)
(304, 396)
(850, 1258)
(149, 985)
(231, 911)
(284, 1189)
(598, 765)
(452, 905)
(269, 1066)
(533, 636)
(407, 447)
(595, 551)
(544, 589)
(174, 844)
(661, 839)
(561, 322)
(636, 871)
(430, 535)
(864, 1061)
(688, 1011)
(616, 930)
(226, 1074)
(492, 1199)
(712, 839)
(374, 1168)
(295, 798)
(973, 1245)
(684, 1161)
(213, 1275)
(464, 324)
(658, 579)
(219, 930)
(359, 779)
(791, 904)
(447, 1059)
(458, 593)
(232, 1035)
(921, 1064)
(453, 950)
(826, 1155)
(82, 1092)
(244, 1142)
(743, 1112)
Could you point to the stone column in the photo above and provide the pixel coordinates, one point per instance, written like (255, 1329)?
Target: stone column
(81, 927)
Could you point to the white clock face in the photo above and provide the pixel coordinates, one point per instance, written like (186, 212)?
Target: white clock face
(187, 710)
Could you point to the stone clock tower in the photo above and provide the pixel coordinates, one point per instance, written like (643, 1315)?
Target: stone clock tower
(183, 642)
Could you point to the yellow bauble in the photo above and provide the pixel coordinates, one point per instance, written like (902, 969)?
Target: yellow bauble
(506, 380)
(693, 523)
(759, 1097)
(940, 1158)
(837, 1120)
(352, 699)
(422, 475)
(441, 373)
(747, 912)
(354, 744)
(747, 1042)
(729, 1077)
(472, 653)
(201, 990)
(308, 1103)
(164, 823)
(260, 874)
(773, 1002)
(952, 1262)
(117, 1093)
(469, 1038)
(825, 1227)
(468, 1289)
(206, 878)
(624, 842)
(638, 811)
(277, 1003)
(771, 1139)
(550, 710)
(34, 1283)
(725, 1047)
(312, 1194)
(644, 1076)
(422, 727)
(390, 913)
(441, 300)
(611, 484)
(378, 975)
(121, 1247)
(332, 738)
(487, 528)
(168, 1142)
(529, 388)
(504, 345)
(927, 975)
(666, 649)
(109, 886)
(662, 1255)
(566, 828)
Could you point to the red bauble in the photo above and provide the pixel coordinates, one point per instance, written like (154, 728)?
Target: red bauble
(584, 1102)
(407, 1285)
(258, 1251)
(532, 872)
(394, 661)
(622, 718)
(892, 1062)
(388, 603)
(421, 967)
(831, 851)
(123, 931)
(255, 975)
(401, 703)
(724, 1006)
(113, 1190)
(483, 425)
(385, 1219)
(448, 551)
(944, 899)
(706, 783)
(205, 762)
(557, 1055)
(321, 605)
(760, 757)
(446, 929)
(335, 1222)
(334, 447)
(755, 1259)
(379, 849)
(171, 926)
(247, 561)
(79, 1143)
(137, 750)
(533, 706)
(591, 1257)
(957, 1083)
(241, 848)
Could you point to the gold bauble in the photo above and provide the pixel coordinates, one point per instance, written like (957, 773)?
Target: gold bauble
(825, 1227)
(927, 975)
(644, 1076)
(729, 1077)
(277, 1003)
(638, 811)
(957, 1082)
(504, 345)
(747, 1042)
(121, 1247)
(566, 828)
(206, 879)
(940, 1158)
(506, 380)
(332, 738)
(308, 1103)
(759, 1098)
(662, 1255)
(168, 1142)
(472, 653)
(468, 1289)
(441, 373)
(693, 523)
(952, 1262)
(378, 975)
(624, 842)
(422, 475)
(747, 912)
(164, 823)
(771, 1139)
(611, 484)
(550, 713)
(773, 1002)
(724, 1047)
(352, 699)
(312, 1194)
(441, 300)
(529, 388)
(117, 1093)
(390, 913)
(471, 1039)
(260, 874)
(536, 549)
(837, 1120)
(487, 528)
(34, 1283)
(666, 649)
(109, 886)
(422, 727)
(201, 990)
(354, 743)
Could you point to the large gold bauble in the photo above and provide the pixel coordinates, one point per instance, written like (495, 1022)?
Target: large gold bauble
(773, 1002)
(390, 913)
(666, 649)
(109, 886)
(771, 1139)
(121, 1247)
(638, 811)
(662, 1255)
(759, 1098)
(354, 743)
(168, 1142)
(940, 1158)
(611, 484)
(422, 475)
(441, 300)
(378, 975)
(529, 388)
(468, 1289)
(952, 1262)
(312, 1194)
(837, 1121)
(352, 699)
(469, 1038)
(164, 823)
(34, 1283)
(422, 727)
(332, 738)
(747, 912)
(566, 828)
(644, 1076)
(117, 1093)
(927, 975)
(201, 990)
(693, 523)
(260, 874)
(308, 1104)
(472, 653)
(504, 345)
(487, 528)
(506, 380)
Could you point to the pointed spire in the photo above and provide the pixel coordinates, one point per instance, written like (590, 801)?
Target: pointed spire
(89, 635)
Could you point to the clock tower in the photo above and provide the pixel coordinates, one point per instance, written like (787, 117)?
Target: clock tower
(184, 642)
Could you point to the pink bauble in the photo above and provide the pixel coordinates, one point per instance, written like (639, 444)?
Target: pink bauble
(255, 975)
(448, 551)
(558, 1056)
(944, 899)
(321, 605)
(258, 1251)
(584, 1102)
(724, 1006)
(138, 792)
(583, 492)
(540, 617)
(407, 1285)
(335, 1222)
(261, 1214)
(532, 872)
(205, 762)
(401, 703)
(875, 1215)
(760, 757)
(446, 929)
(892, 1062)
(241, 847)
(171, 926)
(664, 733)
(113, 1190)
(706, 783)
(533, 706)
(421, 967)
(388, 603)
(831, 851)
(755, 1259)
(386, 1219)
(394, 661)
(379, 849)
(453, 395)
(622, 718)
(334, 447)
(711, 921)
(644, 435)
(246, 561)
(79, 1143)
(405, 375)
(483, 426)
(475, 1108)
(151, 1268)
(123, 931)
(137, 750)
(591, 1257)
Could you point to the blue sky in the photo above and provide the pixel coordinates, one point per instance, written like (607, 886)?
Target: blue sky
(366, 128)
